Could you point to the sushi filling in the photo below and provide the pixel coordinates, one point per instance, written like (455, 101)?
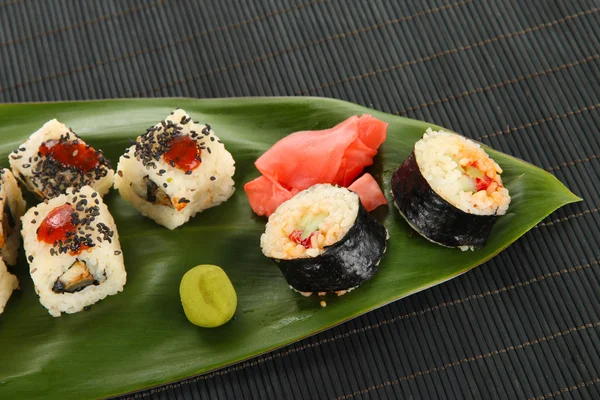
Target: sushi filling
(308, 228)
(154, 194)
(13, 207)
(8, 222)
(305, 225)
(76, 278)
(460, 171)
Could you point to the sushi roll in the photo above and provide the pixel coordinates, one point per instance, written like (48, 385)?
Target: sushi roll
(450, 191)
(72, 246)
(175, 170)
(54, 159)
(323, 240)
(13, 207)
(8, 283)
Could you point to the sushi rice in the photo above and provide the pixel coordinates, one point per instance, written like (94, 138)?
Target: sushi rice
(8, 283)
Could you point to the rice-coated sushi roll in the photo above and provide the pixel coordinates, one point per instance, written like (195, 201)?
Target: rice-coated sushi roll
(13, 207)
(450, 191)
(175, 170)
(72, 246)
(324, 240)
(54, 159)
(8, 283)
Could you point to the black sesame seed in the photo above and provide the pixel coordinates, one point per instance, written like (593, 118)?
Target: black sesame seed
(117, 252)
(212, 178)
(165, 185)
(30, 258)
(188, 172)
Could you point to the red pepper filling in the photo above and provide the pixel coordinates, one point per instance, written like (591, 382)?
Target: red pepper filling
(183, 153)
(57, 224)
(71, 154)
(296, 237)
(483, 184)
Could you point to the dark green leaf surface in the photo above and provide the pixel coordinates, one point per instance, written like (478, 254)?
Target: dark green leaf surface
(140, 337)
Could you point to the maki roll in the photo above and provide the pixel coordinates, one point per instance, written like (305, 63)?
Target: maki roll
(54, 159)
(13, 207)
(8, 283)
(73, 250)
(324, 240)
(450, 191)
(175, 170)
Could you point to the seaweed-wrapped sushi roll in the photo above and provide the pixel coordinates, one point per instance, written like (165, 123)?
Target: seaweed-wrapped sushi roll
(13, 207)
(73, 250)
(8, 283)
(54, 159)
(175, 170)
(324, 240)
(450, 191)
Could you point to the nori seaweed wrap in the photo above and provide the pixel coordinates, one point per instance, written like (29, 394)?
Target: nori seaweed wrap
(459, 169)
(323, 240)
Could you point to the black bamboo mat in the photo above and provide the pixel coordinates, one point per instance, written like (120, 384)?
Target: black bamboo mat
(521, 76)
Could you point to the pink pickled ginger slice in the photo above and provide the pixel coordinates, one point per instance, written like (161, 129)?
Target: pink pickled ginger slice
(368, 190)
(300, 160)
(265, 195)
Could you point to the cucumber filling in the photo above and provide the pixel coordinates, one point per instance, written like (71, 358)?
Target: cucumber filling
(308, 226)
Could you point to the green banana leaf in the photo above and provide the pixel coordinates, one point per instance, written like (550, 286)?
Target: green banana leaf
(141, 337)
